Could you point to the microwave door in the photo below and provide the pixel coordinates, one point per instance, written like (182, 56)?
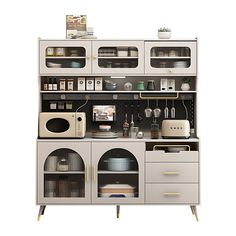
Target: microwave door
(57, 125)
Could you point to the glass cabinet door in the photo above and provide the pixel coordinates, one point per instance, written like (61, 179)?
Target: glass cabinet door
(118, 57)
(63, 175)
(66, 56)
(118, 173)
(170, 58)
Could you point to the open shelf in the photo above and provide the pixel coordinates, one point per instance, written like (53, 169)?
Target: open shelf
(115, 91)
(63, 172)
(58, 57)
(116, 172)
(170, 57)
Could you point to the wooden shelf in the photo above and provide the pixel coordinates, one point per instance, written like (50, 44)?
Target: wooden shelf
(117, 91)
(65, 57)
(170, 57)
(63, 172)
(117, 172)
(115, 57)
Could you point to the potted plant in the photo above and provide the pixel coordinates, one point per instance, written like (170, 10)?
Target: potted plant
(164, 33)
(185, 84)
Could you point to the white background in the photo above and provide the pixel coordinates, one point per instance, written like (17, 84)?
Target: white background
(211, 21)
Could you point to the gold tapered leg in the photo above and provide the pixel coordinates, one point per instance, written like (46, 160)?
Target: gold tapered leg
(194, 212)
(41, 211)
(117, 211)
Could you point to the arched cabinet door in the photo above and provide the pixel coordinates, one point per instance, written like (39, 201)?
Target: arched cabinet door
(63, 172)
(117, 172)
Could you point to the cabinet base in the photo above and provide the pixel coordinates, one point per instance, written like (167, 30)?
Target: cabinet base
(43, 207)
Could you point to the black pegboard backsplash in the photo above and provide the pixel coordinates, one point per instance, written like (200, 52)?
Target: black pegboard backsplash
(132, 107)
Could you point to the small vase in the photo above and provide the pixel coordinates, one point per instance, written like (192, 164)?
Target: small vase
(164, 35)
(185, 86)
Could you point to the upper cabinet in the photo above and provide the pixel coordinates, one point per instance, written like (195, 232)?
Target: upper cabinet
(116, 57)
(170, 58)
(65, 56)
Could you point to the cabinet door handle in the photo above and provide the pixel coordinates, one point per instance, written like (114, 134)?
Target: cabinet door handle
(87, 57)
(94, 174)
(94, 57)
(171, 173)
(86, 173)
(170, 70)
(171, 194)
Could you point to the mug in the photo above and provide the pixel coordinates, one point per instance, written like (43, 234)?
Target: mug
(140, 86)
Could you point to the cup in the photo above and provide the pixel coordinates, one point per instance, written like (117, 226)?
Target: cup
(51, 163)
(75, 161)
(140, 86)
(133, 132)
(150, 85)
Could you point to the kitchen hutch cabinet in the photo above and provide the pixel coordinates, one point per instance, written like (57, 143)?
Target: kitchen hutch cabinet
(108, 82)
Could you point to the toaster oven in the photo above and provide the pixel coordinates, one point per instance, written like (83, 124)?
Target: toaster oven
(175, 129)
(62, 124)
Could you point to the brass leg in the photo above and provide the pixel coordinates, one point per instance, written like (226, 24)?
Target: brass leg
(41, 211)
(194, 211)
(117, 211)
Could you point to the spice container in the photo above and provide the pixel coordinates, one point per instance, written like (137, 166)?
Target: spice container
(140, 86)
(70, 84)
(50, 84)
(62, 84)
(61, 105)
(45, 84)
(60, 52)
(54, 84)
(53, 105)
(69, 105)
(50, 51)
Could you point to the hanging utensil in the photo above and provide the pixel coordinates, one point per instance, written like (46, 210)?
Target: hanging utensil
(157, 111)
(172, 110)
(148, 110)
(139, 117)
(132, 116)
(166, 111)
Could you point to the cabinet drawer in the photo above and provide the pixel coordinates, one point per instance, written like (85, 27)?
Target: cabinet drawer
(171, 172)
(162, 156)
(172, 193)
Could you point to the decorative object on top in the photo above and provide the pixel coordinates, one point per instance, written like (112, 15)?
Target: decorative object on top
(185, 84)
(76, 26)
(164, 33)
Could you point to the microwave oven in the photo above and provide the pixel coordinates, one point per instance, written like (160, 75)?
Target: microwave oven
(62, 124)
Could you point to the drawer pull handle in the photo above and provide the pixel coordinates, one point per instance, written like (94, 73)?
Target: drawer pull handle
(171, 194)
(171, 173)
(155, 147)
(86, 173)
(94, 174)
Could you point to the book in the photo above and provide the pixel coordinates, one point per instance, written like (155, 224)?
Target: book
(76, 26)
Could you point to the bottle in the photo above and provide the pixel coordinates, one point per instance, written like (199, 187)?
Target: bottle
(154, 130)
(50, 84)
(54, 84)
(125, 127)
(45, 85)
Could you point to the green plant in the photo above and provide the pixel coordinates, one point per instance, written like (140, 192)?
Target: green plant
(186, 80)
(164, 29)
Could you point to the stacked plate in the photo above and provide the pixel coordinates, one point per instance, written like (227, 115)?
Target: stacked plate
(104, 132)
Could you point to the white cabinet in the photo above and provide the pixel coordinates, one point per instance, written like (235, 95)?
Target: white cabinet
(118, 57)
(103, 176)
(63, 175)
(68, 57)
(63, 57)
(170, 58)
